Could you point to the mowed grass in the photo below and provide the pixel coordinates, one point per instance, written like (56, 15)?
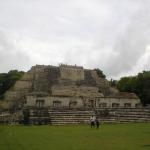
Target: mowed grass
(108, 137)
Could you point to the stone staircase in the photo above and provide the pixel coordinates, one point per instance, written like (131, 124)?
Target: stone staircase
(63, 116)
(76, 116)
(70, 116)
(125, 115)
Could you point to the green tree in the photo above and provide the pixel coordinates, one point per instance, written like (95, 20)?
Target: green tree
(100, 73)
(139, 84)
(113, 83)
(7, 80)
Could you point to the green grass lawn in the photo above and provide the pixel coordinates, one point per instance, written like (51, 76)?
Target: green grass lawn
(108, 137)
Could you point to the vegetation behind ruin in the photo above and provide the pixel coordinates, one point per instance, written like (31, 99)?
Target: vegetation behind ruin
(7, 80)
(139, 84)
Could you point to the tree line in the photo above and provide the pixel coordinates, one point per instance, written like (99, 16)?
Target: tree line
(139, 84)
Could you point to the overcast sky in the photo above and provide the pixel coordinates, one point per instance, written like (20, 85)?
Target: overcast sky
(113, 35)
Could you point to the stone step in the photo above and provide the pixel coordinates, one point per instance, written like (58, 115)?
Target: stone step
(125, 119)
(102, 120)
(70, 110)
(71, 122)
(139, 112)
(71, 113)
(131, 115)
(75, 119)
(70, 118)
(125, 110)
(88, 116)
(76, 116)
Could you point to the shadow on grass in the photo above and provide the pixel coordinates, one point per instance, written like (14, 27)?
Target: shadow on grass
(148, 145)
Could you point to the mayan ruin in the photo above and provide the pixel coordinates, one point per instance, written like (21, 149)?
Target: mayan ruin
(68, 94)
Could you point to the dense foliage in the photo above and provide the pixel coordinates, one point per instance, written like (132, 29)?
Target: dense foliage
(100, 73)
(139, 84)
(7, 80)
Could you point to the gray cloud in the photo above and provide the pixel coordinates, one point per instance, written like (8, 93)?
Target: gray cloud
(11, 57)
(112, 35)
(131, 45)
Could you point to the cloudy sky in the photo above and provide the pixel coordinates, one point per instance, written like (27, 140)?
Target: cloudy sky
(113, 35)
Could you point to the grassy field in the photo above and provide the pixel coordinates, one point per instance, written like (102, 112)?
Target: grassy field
(108, 137)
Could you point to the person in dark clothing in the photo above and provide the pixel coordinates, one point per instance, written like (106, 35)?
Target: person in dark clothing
(97, 123)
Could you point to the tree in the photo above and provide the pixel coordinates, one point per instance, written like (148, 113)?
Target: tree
(7, 80)
(139, 84)
(100, 73)
(113, 83)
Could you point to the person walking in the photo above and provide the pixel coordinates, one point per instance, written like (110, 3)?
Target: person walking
(97, 123)
(92, 121)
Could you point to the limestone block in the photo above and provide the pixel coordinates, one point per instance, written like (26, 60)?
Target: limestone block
(73, 90)
(88, 91)
(121, 101)
(27, 76)
(22, 85)
(64, 90)
(72, 73)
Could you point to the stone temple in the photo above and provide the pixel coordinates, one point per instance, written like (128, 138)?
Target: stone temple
(57, 92)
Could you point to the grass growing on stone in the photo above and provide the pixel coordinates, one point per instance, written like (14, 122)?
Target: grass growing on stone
(108, 137)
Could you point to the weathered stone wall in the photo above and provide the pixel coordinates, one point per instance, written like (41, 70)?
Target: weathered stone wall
(22, 85)
(49, 101)
(73, 73)
(72, 90)
(81, 101)
(120, 101)
(40, 81)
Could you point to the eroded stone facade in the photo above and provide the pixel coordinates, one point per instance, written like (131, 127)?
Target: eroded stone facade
(68, 86)
(46, 87)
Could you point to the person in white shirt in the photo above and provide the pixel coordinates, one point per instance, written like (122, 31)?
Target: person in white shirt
(92, 121)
